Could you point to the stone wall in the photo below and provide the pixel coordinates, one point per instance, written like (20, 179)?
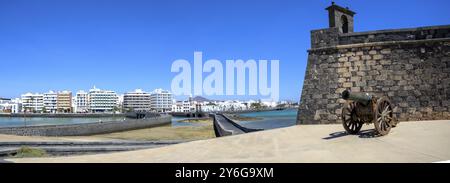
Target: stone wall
(410, 66)
(62, 115)
(87, 128)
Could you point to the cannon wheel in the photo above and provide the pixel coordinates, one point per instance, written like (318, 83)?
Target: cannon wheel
(383, 116)
(350, 120)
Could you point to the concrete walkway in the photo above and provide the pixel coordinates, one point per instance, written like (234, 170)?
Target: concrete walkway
(425, 141)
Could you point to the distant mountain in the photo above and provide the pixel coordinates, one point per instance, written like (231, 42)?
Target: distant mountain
(200, 99)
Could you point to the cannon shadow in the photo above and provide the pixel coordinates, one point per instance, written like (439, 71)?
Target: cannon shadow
(370, 133)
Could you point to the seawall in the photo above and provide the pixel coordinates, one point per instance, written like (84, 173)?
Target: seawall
(87, 128)
(62, 115)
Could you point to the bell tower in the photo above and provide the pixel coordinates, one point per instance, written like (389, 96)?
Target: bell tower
(340, 17)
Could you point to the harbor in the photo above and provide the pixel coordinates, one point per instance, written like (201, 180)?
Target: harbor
(103, 129)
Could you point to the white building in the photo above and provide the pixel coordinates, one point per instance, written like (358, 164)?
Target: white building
(50, 102)
(137, 100)
(161, 100)
(120, 101)
(9, 106)
(102, 100)
(182, 106)
(32, 102)
(81, 102)
(193, 105)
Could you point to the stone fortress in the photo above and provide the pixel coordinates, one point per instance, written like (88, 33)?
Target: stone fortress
(410, 66)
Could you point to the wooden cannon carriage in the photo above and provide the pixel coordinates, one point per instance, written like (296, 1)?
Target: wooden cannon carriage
(363, 108)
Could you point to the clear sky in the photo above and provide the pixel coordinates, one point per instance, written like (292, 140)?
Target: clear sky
(123, 45)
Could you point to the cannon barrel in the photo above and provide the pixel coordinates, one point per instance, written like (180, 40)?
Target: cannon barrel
(363, 98)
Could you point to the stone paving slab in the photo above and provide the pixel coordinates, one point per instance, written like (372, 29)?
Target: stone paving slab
(424, 141)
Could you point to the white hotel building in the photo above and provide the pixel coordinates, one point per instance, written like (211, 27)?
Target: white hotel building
(81, 102)
(32, 102)
(50, 102)
(161, 100)
(102, 100)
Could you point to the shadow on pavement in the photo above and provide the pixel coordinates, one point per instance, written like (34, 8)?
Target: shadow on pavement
(362, 134)
(336, 135)
(372, 133)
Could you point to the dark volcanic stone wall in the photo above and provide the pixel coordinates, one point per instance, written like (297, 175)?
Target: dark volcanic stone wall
(410, 66)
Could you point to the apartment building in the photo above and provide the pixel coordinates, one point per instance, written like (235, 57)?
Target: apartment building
(102, 100)
(32, 102)
(81, 102)
(137, 100)
(161, 100)
(64, 102)
(50, 103)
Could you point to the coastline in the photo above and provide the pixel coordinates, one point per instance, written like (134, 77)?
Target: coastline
(62, 115)
(87, 128)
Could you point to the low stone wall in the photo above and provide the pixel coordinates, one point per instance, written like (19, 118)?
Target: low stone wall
(87, 128)
(61, 115)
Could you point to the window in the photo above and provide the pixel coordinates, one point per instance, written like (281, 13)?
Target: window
(344, 21)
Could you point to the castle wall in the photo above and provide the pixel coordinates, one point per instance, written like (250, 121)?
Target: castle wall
(410, 66)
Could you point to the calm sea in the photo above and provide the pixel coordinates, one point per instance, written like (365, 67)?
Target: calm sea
(271, 119)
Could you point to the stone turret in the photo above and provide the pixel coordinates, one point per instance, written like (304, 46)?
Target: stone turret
(341, 18)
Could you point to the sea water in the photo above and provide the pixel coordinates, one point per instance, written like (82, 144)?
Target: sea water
(271, 119)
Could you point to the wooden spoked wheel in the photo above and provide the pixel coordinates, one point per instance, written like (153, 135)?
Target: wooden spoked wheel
(350, 120)
(383, 118)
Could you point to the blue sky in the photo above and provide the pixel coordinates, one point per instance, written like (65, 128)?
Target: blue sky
(123, 45)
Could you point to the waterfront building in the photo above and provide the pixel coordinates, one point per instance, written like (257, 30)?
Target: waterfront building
(16, 105)
(4, 100)
(74, 104)
(5, 105)
(50, 102)
(64, 102)
(161, 100)
(120, 102)
(102, 100)
(137, 100)
(81, 102)
(9, 105)
(32, 102)
(177, 106)
(181, 106)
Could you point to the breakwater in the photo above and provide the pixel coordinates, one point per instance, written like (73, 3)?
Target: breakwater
(88, 128)
(61, 115)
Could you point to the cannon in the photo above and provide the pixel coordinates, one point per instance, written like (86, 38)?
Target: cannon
(362, 108)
